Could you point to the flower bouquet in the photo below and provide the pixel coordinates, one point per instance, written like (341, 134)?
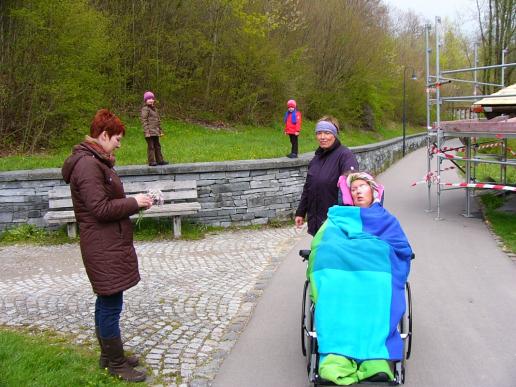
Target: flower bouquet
(157, 200)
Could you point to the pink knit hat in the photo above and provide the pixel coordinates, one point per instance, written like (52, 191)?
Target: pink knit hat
(291, 103)
(148, 95)
(344, 184)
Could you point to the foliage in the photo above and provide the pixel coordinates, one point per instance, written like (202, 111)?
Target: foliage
(502, 222)
(151, 229)
(188, 142)
(146, 230)
(46, 359)
(234, 61)
(54, 66)
(497, 23)
(29, 233)
(492, 172)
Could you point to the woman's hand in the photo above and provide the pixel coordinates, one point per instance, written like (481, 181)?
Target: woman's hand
(143, 200)
(299, 220)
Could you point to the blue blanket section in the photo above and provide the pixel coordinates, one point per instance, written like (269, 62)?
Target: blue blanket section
(358, 267)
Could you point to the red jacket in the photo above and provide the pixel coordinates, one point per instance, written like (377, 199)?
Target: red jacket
(291, 128)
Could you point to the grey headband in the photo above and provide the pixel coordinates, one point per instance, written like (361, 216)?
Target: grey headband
(325, 126)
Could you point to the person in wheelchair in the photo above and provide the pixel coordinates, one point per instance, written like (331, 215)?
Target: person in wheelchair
(358, 266)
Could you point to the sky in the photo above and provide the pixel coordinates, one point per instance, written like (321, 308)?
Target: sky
(462, 10)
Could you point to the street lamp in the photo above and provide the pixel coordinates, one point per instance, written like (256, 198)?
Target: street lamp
(404, 101)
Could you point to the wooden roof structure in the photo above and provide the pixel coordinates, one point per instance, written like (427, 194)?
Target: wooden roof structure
(498, 127)
(505, 96)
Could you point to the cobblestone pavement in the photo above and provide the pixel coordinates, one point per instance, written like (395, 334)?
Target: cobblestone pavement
(194, 299)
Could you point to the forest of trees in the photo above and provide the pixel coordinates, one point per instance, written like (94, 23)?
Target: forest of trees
(221, 60)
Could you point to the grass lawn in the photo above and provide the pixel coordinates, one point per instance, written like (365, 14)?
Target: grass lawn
(185, 142)
(503, 223)
(149, 229)
(47, 359)
(491, 172)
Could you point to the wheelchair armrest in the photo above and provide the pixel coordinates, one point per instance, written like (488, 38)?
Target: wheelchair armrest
(304, 254)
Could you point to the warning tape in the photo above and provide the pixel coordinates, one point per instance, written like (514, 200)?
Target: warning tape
(431, 176)
(435, 150)
(455, 157)
(497, 187)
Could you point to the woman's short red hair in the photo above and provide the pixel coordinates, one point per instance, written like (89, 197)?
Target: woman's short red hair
(104, 120)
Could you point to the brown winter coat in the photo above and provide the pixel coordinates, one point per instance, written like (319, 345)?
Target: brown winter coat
(102, 211)
(150, 121)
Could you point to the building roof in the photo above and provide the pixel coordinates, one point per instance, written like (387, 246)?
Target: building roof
(509, 90)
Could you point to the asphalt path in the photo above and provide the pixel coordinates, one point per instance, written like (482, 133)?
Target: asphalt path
(463, 289)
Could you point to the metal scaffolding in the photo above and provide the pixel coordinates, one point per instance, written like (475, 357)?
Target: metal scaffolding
(499, 128)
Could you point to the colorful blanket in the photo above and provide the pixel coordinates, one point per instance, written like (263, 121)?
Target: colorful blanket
(358, 267)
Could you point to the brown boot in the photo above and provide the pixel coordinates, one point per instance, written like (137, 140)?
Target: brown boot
(117, 364)
(103, 360)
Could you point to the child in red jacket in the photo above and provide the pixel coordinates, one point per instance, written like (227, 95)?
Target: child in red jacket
(292, 122)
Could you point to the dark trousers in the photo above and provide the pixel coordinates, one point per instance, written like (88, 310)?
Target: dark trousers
(293, 141)
(107, 315)
(153, 150)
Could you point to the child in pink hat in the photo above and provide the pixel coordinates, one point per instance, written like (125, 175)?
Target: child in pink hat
(152, 130)
(292, 120)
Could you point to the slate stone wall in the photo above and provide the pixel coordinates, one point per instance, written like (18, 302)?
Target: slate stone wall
(240, 192)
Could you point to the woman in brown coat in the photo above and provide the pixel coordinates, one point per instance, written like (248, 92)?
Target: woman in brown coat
(102, 211)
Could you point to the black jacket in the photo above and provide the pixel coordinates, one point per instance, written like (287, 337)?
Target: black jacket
(320, 189)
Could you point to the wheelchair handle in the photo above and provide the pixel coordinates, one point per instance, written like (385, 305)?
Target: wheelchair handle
(304, 254)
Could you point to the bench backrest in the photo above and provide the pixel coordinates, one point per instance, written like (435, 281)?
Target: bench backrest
(173, 192)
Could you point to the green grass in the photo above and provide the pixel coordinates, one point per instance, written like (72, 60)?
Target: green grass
(188, 143)
(491, 172)
(47, 359)
(501, 222)
(152, 229)
(149, 229)
(30, 234)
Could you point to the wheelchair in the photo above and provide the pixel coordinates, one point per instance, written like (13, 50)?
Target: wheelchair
(309, 337)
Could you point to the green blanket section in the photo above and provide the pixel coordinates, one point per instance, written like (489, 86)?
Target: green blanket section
(343, 371)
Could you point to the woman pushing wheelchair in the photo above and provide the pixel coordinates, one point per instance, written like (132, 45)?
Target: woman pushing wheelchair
(359, 264)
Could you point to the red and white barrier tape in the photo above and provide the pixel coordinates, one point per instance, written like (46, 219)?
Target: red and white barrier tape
(435, 150)
(454, 157)
(431, 176)
(497, 187)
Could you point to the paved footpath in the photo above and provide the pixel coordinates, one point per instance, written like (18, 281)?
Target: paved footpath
(194, 299)
(464, 300)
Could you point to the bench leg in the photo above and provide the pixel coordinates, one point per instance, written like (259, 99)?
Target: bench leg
(71, 228)
(177, 226)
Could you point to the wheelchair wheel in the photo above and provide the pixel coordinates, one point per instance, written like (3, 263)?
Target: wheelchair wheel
(305, 308)
(409, 319)
(405, 327)
(312, 358)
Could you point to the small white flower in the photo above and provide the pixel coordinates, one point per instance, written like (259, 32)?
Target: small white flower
(157, 200)
(157, 197)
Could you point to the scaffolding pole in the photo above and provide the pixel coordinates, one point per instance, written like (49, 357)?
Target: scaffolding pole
(428, 126)
(438, 109)
(471, 158)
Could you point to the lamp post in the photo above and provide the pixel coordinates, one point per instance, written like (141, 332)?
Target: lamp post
(405, 102)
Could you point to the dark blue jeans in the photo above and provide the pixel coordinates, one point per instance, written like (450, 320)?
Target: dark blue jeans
(107, 315)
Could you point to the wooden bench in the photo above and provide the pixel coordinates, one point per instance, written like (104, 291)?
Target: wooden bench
(180, 199)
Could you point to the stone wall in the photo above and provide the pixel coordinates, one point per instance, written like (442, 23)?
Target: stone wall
(240, 192)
